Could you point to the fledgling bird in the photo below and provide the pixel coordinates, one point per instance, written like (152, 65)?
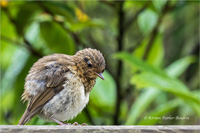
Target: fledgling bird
(57, 87)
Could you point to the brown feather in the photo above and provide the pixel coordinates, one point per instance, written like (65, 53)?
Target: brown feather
(54, 84)
(47, 76)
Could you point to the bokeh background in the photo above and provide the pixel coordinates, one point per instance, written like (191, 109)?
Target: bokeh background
(151, 50)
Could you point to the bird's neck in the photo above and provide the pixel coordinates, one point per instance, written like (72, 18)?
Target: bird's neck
(88, 83)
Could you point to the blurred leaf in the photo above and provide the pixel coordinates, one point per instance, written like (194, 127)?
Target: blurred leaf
(7, 101)
(36, 121)
(141, 104)
(147, 21)
(155, 77)
(56, 38)
(178, 67)
(156, 53)
(173, 86)
(161, 98)
(124, 109)
(138, 63)
(159, 112)
(13, 81)
(139, 51)
(26, 12)
(193, 105)
(104, 93)
(159, 4)
(7, 26)
(6, 54)
(13, 70)
(60, 8)
(33, 36)
(32, 33)
(7, 49)
(136, 4)
(92, 23)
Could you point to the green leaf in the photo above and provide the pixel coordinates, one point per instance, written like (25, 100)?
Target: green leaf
(147, 21)
(13, 70)
(138, 63)
(13, 84)
(60, 8)
(156, 53)
(56, 38)
(134, 4)
(154, 77)
(158, 4)
(159, 112)
(91, 23)
(171, 85)
(141, 104)
(104, 93)
(178, 67)
(26, 12)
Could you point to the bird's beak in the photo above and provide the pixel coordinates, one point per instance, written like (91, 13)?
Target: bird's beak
(100, 76)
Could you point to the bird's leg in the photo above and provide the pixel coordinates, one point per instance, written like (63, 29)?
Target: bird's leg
(59, 122)
(62, 123)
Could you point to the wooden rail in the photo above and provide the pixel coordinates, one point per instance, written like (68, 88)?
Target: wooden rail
(99, 129)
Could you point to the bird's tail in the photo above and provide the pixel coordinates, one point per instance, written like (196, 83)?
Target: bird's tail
(25, 118)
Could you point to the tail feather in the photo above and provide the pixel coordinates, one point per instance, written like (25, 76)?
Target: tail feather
(25, 118)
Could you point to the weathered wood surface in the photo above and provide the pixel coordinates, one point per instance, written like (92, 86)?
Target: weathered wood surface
(99, 129)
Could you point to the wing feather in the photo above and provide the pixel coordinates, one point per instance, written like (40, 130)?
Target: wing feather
(53, 74)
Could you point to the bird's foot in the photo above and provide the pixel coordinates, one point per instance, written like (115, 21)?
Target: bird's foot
(76, 124)
(84, 124)
(68, 124)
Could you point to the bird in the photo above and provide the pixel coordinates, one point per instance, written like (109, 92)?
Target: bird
(57, 86)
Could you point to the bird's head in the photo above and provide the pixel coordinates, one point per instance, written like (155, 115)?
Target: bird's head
(90, 63)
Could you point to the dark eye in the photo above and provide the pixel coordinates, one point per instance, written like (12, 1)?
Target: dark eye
(86, 59)
(102, 70)
(89, 64)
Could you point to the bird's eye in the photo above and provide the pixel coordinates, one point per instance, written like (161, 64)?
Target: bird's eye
(86, 59)
(89, 64)
(102, 70)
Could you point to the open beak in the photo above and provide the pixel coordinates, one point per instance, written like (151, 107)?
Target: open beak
(100, 76)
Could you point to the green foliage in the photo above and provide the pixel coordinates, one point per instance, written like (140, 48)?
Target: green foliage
(24, 15)
(56, 35)
(164, 84)
(155, 77)
(158, 4)
(156, 53)
(147, 21)
(104, 93)
(159, 112)
(66, 10)
(141, 104)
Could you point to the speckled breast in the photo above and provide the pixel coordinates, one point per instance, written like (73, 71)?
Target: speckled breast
(69, 102)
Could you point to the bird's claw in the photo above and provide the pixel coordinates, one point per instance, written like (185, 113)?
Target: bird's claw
(76, 124)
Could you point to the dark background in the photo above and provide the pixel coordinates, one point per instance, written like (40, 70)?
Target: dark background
(151, 50)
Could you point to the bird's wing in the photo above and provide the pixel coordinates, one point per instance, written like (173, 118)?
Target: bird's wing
(53, 75)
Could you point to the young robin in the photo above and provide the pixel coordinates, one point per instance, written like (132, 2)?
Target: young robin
(57, 87)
